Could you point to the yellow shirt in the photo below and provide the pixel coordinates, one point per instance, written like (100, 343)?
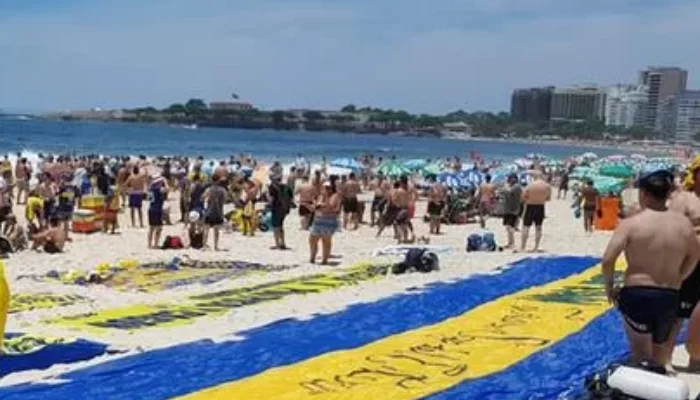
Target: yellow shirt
(33, 203)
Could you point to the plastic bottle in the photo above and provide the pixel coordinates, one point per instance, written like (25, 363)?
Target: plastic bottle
(648, 385)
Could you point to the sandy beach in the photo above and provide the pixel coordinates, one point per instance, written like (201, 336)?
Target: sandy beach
(563, 235)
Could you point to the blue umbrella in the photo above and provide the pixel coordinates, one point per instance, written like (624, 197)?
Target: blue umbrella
(347, 162)
(473, 177)
(449, 179)
(415, 164)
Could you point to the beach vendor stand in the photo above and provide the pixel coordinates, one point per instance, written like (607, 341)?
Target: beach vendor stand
(90, 217)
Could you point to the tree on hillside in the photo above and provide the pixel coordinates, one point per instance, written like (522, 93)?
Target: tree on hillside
(195, 106)
(176, 108)
(313, 115)
(350, 108)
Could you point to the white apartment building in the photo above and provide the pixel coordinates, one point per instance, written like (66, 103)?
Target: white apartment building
(626, 105)
(679, 116)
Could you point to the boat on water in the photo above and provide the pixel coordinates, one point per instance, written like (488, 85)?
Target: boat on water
(184, 126)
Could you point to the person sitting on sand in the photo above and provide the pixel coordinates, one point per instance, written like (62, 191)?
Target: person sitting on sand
(535, 195)
(52, 240)
(195, 231)
(326, 222)
(661, 251)
(14, 233)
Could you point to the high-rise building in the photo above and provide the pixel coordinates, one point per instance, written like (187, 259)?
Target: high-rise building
(679, 116)
(531, 105)
(662, 83)
(578, 103)
(626, 105)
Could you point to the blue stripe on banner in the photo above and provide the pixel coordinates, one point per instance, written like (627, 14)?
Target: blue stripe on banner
(52, 354)
(184, 369)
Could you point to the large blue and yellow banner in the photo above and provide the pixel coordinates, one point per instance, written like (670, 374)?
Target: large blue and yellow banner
(532, 331)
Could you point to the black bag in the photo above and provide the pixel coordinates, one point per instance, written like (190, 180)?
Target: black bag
(418, 259)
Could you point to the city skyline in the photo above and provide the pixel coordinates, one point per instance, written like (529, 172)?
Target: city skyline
(423, 57)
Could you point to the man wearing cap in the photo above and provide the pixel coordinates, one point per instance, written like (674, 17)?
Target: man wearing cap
(661, 250)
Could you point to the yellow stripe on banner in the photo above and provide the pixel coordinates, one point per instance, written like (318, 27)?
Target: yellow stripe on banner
(424, 361)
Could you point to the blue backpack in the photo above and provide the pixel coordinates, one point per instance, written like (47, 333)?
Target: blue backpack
(481, 242)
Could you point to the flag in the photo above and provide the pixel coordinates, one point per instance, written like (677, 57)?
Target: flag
(234, 95)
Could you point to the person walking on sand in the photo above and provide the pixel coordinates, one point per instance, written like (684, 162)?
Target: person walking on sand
(23, 174)
(590, 199)
(688, 203)
(214, 213)
(326, 222)
(662, 250)
(487, 197)
(563, 185)
(136, 186)
(351, 189)
(535, 196)
(159, 190)
(280, 198)
(512, 203)
(381, 188)
(436, 204)
(307, 196)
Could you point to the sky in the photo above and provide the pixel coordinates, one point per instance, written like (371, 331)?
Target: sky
(423, 56)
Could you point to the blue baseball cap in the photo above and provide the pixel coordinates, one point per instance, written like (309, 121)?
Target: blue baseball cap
(659, 173)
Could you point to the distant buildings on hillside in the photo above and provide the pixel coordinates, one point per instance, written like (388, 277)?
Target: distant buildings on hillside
(659, 101)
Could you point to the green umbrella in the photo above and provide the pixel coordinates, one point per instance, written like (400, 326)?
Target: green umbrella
(393, 169)
(583, 172)
(617, 171)
(432, 169)
(607, 184)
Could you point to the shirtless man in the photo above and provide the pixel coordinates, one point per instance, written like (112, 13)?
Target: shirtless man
(136, 185)
(661, 251)
(589, 203)
(122, 176)
(380, 187)
(52, 240)
(307, 197)
(436, 204)
(222, 171)
(535, 196)
(487, 197)
(23, 174)
(688, 203)
(401, 199)
(351, 189)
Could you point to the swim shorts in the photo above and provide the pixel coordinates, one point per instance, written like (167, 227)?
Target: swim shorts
(277, 218)
(305, 209)
(50, 248)
(403, 217)
(214, 220)
(435, 208)
(510, 220)
(378, 204)
(350, 205)
(689, 294)
(533, 213)
(155, 218)
(135, 200)
(649, 310)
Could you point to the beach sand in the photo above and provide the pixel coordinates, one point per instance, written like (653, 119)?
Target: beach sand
(563, 235)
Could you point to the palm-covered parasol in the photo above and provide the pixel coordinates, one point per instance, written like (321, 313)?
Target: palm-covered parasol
(617, 171)
(393, 169)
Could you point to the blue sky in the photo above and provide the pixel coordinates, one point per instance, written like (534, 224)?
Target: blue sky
(423, 56)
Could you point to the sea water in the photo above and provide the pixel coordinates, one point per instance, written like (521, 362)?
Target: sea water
(42, 136)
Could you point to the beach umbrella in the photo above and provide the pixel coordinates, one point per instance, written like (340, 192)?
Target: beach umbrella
(393, 169)
(617, 171)
(523, 163)
(616, 158)
(415, 164)
(553, 163)
(432, 169)
(346, 162)
(535, 156)
(607, 184)
(638, 157)
(338, 171)
(472, 177)
(583, 172)
(589, 156)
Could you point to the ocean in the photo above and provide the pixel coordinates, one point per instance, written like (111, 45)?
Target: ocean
(41, 136)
